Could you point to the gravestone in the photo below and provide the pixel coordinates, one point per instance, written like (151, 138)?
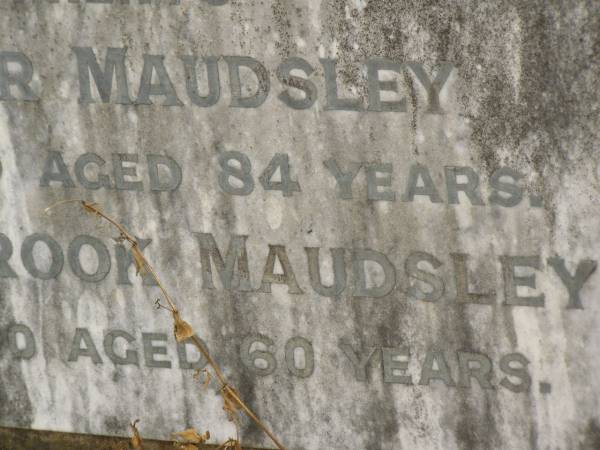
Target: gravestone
(380, 216)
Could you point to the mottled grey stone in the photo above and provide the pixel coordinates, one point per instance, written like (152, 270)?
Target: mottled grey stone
(381, 216)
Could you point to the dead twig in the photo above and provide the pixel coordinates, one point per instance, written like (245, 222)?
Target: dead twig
(232, 403)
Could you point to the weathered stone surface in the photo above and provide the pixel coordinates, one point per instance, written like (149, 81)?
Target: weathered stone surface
(463, 229)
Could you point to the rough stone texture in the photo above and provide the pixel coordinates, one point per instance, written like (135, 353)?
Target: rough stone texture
(524, 94)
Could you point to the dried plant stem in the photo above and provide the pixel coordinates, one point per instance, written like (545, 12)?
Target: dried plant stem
(233, 393)
(142, 264)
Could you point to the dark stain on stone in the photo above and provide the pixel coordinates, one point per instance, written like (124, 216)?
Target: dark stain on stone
(591, 439)
(285, 43)
(533, 438)
(115, 425)
(15, 406)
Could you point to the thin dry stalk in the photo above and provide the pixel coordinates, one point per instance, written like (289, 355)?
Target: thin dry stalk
(136, 439)
(232, 403)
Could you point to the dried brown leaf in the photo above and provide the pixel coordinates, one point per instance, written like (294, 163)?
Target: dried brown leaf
(230, 402)
(181, 328)
(191, 436)
(138, 259)
(136, 439)
(89, 207)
